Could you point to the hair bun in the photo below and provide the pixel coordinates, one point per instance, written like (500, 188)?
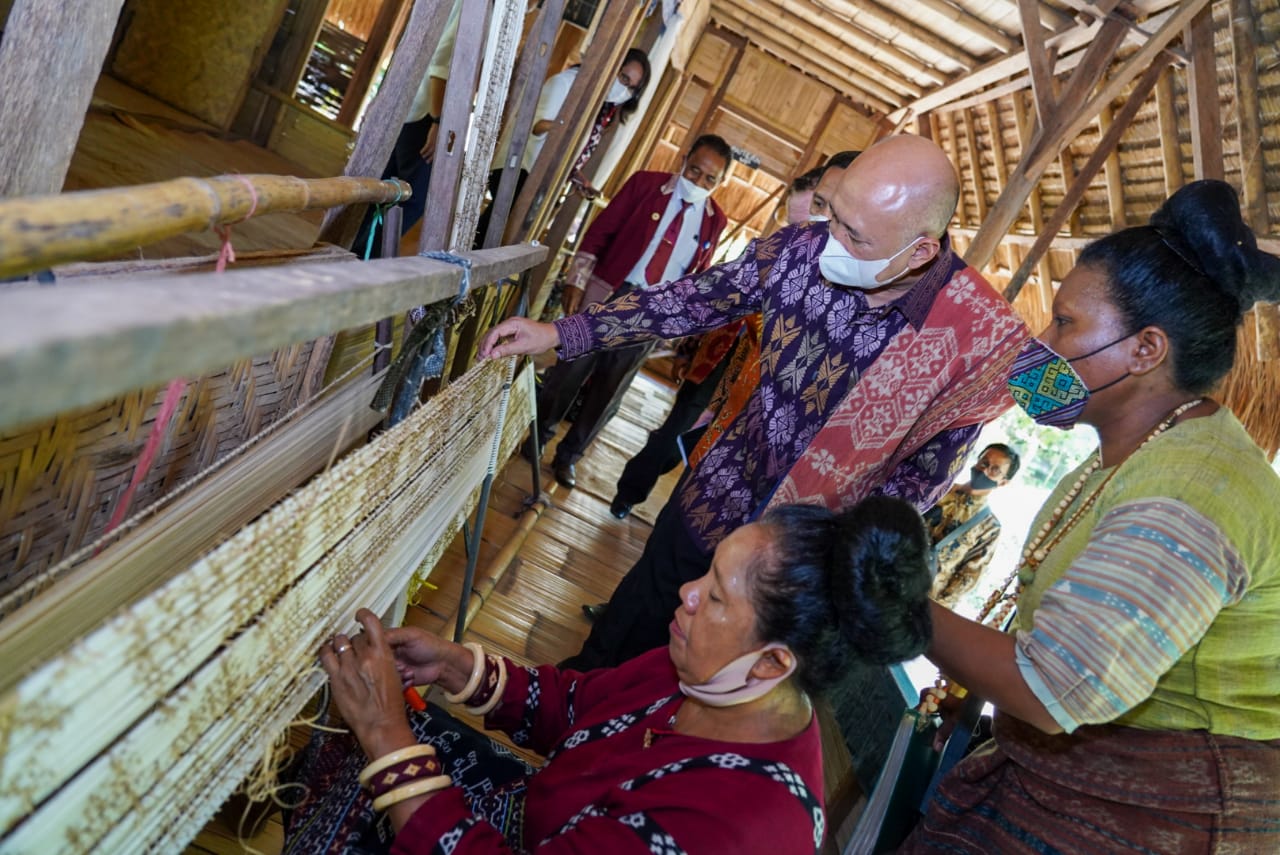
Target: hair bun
(1202, 224)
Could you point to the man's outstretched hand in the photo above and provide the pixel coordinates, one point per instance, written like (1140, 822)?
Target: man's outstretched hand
(517, 337)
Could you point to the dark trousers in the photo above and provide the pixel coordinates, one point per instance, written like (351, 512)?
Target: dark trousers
(660, 453)
(645, 601)
(482, 225)
(610, 372)
(406, 163)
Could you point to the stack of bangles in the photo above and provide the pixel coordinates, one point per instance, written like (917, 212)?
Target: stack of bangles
(403, 774)
(483, 691)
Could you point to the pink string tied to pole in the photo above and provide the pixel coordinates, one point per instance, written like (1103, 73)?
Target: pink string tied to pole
(174, 391)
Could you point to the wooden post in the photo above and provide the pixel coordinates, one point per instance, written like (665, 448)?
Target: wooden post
(560, 151)
(707, 113)
(1035, 207)
(975, 165)
(1170, 147)
(1202, 91)
(1115, 181)
(451, 135)
(1105, 148)
(388, 111)
(50, 58)
(997, 146)
(367, 64)
(807, 157)
(526, 87)
(1244, 39)
(952, 140)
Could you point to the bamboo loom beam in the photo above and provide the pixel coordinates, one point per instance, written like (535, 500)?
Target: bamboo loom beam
(79, 343)
(38, 232)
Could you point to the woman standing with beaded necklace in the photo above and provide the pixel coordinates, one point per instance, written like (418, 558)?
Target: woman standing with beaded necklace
(1138, 695)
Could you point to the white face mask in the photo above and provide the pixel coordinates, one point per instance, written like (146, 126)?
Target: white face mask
(733, 684)
(841, 268)
(618, 93)
(692, 192)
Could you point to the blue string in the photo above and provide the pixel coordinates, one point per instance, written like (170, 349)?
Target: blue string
(373, 229)
(459, 261)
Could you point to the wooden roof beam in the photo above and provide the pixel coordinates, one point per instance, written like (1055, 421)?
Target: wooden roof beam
(931, 41)
(843, 72)
(1101, 153)
(945, 13)
(871, 47)
(1048, 143)
(1067, 43)
(1040, 59)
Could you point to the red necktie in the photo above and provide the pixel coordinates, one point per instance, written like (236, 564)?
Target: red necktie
(656, 270)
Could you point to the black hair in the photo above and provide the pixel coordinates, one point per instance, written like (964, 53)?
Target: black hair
(716, 144)
(839, 585)
(629, 106)
(841, 160)
(1015, 461)
(1193, 272)
(807, 181)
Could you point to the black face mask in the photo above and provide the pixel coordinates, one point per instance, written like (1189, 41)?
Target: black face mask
(979, 479)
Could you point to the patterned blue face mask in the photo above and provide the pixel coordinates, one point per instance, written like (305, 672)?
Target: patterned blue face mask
(1046, 385)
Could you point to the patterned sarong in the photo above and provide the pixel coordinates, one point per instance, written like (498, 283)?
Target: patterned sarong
(1107, 788)
(336, 814)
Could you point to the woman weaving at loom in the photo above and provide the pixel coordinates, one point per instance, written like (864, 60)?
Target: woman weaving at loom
(1139, 698)
(708, 746)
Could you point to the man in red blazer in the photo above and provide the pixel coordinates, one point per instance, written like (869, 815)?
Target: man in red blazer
(658, 227)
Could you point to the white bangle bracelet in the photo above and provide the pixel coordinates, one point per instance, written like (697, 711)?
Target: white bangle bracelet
(477, 673)
(408, 791)
(496, 698)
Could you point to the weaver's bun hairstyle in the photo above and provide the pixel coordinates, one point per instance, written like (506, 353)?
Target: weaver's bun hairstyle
(1193, 272)
(841, 586)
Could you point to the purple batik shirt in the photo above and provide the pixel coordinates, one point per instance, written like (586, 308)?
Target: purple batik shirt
(816, 341)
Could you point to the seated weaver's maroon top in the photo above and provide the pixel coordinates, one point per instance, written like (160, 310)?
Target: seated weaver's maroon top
(618, 780)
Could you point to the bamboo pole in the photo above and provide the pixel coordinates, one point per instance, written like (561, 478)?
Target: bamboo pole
(37, 232)
(488, 581)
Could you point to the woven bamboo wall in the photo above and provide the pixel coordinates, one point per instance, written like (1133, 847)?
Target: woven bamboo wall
(197, 55)
(60, 480)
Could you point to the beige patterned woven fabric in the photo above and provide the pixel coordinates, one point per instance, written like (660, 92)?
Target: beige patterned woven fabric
(132, 737)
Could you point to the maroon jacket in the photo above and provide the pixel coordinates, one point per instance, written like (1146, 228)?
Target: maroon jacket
(622, 231)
